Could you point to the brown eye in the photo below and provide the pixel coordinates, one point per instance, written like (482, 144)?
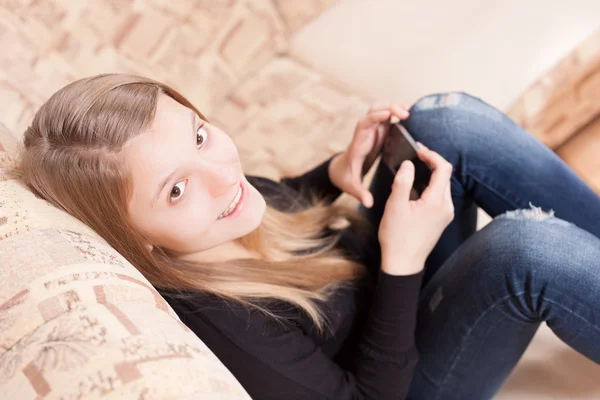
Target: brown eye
(201, 136)
(177, 190)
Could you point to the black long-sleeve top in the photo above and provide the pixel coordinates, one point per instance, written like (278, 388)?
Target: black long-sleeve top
(369, 354)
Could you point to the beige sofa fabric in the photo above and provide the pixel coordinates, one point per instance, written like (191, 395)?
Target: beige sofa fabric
(296, 14)
(78, 321)
(200, 47)
(287, 117)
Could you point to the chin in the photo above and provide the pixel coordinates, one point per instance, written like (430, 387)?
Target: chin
(255, 212)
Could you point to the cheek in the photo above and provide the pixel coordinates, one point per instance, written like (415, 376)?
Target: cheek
(178, 229)
(188, 223)
(227, 148)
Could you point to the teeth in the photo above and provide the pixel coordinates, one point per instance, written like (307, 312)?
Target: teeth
(231, 206)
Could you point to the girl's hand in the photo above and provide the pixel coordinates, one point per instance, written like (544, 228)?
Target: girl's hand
(347, 169)
(410, 229)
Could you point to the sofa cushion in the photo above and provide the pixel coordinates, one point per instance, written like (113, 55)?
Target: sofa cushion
(202, 47)
(287, 117)
(296, 14)
(78, 321)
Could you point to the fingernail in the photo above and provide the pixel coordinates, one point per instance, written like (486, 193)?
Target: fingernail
(401, 109)
(406, 165)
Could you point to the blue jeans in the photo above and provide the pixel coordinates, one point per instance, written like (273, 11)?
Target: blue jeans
(486, 293)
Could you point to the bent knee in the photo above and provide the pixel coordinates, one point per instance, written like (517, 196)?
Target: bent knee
(440, 100)
(452, 119)
(529, 240)
(448, 102)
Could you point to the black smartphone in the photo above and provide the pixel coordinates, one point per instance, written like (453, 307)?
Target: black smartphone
(399, 145)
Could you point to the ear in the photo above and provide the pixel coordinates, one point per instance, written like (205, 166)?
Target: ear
(150, 247)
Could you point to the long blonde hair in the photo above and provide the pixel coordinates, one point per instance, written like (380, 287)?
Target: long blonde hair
(72, 158)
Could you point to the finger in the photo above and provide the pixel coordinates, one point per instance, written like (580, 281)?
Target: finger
(356, 166)
(424, 154)
(381, 133)
(379, 119)
(360, 193)
(399, 111)
(403, 181)
(373, 118)
(367, 199)
(378, 115)
(388, 106)
(448, 192)
(380, 106)
(440, 177)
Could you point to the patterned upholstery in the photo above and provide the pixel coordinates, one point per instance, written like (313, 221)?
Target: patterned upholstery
(288, 117)
(200, 47)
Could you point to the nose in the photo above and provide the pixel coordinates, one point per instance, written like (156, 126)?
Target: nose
(220, 178)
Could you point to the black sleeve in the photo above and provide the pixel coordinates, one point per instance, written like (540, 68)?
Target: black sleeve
(316, 183)
(276, 362)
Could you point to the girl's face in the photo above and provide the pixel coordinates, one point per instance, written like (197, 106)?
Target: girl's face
(189, 191)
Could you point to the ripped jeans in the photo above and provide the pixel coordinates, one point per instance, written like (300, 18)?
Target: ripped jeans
(486, 293)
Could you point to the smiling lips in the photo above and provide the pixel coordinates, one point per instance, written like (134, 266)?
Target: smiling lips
(233, 204)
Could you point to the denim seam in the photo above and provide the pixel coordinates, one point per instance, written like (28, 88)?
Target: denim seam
(493, 307)
(504, 197)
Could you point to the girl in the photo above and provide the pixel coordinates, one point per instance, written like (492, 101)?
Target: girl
(298, 305)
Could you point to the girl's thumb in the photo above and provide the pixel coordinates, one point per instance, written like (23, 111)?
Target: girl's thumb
(403, 181)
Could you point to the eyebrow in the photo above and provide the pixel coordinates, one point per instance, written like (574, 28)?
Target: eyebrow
(163, 182)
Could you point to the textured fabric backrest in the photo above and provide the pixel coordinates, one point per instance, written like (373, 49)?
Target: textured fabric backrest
(202, 48)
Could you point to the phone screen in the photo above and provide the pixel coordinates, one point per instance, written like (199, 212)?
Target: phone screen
(399, 145)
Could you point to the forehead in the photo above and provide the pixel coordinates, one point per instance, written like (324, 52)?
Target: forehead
(168, 112)
(171, 120)
(158, 150)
